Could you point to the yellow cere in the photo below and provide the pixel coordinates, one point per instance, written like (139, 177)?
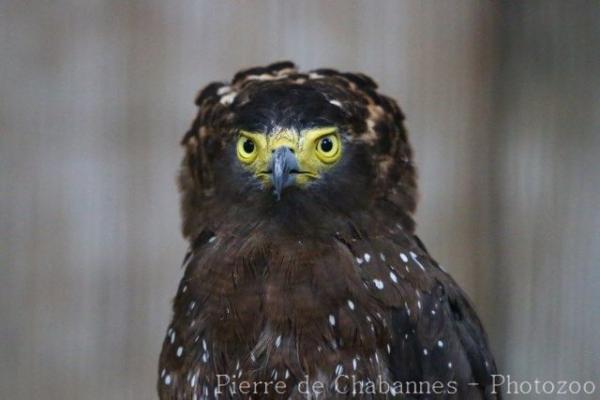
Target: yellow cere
(316, 151)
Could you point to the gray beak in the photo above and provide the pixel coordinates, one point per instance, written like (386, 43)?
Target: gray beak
(284, 166)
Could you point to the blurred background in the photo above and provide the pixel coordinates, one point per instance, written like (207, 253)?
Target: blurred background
(503, 108)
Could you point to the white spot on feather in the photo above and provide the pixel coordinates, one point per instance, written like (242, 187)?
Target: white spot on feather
(403, 257)
(331, 320)
(223, 90)
(393, 277)
(415, 259)
(351, 304)
(378, 283)
(228, 98)
(367, 257)
(179, 351)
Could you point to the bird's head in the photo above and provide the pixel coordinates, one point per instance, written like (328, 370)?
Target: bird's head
(274, 137)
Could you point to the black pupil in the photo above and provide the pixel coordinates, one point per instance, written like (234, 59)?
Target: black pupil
(248, 146)
(326, 145)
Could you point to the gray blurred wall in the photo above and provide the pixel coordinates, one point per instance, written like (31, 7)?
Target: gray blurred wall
(502, 105)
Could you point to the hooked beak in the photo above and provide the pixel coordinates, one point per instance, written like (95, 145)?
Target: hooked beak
(284, 167)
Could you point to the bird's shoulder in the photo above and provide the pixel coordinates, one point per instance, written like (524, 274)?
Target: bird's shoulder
(437, 333)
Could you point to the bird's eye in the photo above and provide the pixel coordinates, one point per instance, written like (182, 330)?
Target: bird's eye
(246, 149)
(328, 148)
(248, 146)
(326, 145)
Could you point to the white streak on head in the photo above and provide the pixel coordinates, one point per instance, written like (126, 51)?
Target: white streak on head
(228, 98)
(223, 90)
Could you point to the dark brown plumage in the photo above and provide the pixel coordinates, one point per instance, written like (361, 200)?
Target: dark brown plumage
(327, 281)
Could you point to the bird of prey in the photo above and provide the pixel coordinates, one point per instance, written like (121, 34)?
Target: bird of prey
(304, 277)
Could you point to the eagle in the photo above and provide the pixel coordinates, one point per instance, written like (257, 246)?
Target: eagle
(304, 276)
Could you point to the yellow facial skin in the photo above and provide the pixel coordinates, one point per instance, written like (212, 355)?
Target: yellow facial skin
(316, 151)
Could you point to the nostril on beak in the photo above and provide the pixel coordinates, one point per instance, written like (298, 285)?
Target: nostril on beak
(289, 148)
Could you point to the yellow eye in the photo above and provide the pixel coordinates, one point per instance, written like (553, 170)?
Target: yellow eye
(328, 148)
(246, 149)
